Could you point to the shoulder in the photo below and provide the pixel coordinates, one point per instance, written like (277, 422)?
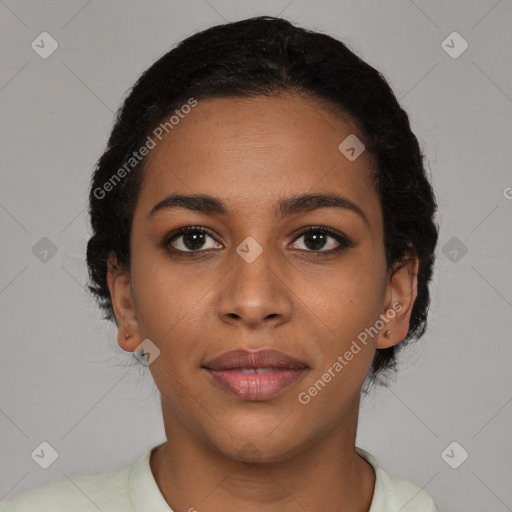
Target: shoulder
(107, 491)
(393, 492)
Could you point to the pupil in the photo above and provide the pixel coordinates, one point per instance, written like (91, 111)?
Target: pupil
(193, 240)
(317, 239)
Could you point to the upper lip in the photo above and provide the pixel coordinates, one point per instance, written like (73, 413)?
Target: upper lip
(266, 358)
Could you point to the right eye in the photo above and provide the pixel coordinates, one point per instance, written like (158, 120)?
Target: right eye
(189, 239)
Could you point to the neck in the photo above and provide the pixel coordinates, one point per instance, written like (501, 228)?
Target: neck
(326, 475)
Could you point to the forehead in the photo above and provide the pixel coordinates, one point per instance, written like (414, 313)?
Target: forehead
(256, 150)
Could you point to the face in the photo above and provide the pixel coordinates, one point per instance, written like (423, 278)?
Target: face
(261, 276)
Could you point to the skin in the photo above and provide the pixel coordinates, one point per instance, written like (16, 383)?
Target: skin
(223, 453)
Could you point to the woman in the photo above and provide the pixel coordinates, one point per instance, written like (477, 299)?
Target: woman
(263, 237)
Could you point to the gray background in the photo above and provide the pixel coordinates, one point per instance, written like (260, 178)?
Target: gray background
(61, 378)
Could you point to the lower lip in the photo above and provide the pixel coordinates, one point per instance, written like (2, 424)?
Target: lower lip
(254, 386)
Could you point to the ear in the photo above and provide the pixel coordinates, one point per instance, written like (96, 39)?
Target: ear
(401, 293)
(119, 284)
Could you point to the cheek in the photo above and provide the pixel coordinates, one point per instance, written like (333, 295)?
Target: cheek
(345, 345)
(171, 304)
(344, 336)
(348, 300)
(342, 312)
(163, 292)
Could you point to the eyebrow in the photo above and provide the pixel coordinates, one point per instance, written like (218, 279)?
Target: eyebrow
(290, 206)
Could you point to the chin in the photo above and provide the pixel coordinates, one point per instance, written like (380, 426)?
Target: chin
(257, 446)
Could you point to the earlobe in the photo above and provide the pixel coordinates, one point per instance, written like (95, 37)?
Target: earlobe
(127, 341)
(119, 284)
(402, 290)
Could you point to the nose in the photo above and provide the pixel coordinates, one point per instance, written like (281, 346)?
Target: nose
(255, 293)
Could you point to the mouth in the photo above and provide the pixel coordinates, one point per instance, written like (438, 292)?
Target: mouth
(255, 375)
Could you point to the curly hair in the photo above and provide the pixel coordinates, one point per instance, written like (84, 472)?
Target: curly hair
(266, 56)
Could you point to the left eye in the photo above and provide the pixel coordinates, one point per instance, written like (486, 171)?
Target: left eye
(317, 238)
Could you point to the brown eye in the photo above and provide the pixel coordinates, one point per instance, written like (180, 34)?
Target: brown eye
(323, 240)
(191, 239)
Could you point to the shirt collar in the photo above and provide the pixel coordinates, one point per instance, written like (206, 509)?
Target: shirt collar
(144, 491)
(147, 497)
(379, 495)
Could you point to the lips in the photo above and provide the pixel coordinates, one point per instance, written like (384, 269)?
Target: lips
(239, 359)
(255, 375)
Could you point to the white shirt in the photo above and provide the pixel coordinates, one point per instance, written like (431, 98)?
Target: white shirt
(133, 488)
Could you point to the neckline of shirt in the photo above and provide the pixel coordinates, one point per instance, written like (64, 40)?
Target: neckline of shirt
(147, 497)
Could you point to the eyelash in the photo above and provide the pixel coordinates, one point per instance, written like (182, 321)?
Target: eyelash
(344, 242)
